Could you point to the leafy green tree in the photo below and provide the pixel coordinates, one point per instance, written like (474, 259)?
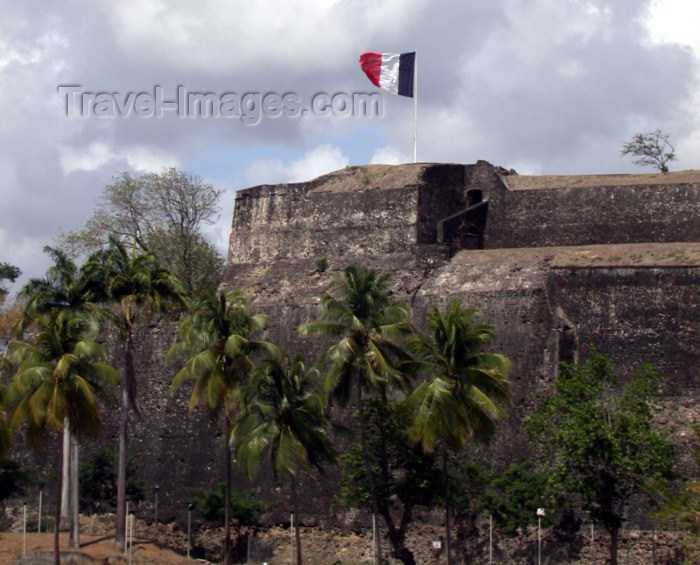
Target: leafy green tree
(216, 340)
(244, 508)
(405, 477)
(161, 213)
(514, 496)
(652, 148)
(134, 287)
(7, 273)
(98, 480)
(57, 378)
(601, 442)
(465, 392)
(6, 486)
(286, 416)
(681, 508)
(367, 355)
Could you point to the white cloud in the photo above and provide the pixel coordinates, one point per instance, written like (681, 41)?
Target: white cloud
(389, 156)
(675, 21)
(315, 162)
(220, 37)
(99, 154)
(320, 160)
(266, 171)
(678, 22)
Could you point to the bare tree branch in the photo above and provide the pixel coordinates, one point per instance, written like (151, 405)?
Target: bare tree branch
(651, 148)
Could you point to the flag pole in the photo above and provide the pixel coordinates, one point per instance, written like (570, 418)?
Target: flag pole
(415, 104)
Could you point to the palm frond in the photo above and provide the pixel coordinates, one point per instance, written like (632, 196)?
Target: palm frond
(58, 376)
(468, 388)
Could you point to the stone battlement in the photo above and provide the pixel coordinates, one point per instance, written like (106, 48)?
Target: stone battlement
(380, 209)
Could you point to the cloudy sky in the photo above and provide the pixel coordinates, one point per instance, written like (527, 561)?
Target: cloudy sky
(542, 86)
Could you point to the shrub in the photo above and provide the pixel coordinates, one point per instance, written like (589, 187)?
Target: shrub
(98, 480)
(244, 508)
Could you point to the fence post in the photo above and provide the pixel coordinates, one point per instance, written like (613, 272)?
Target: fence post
(374, 539)
(189, 528)
(126, 529)
(155, 505)
(24, 530)
(41, 496)
(130, 538)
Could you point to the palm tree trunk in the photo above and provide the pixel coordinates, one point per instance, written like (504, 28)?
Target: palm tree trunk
(120, 536)
(295, 503)
(57, 515)
(446, 479)
(74, 498)
(368, 469)
(227, 495)
(65, 484)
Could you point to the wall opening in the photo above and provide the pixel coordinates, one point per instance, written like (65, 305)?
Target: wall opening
(474, 197)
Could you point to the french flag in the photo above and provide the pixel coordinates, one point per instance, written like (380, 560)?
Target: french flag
(392, 72)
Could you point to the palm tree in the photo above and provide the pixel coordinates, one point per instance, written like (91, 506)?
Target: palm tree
(286, 416)
(57, 379)
(367, 355)
(61, 289)
(466, 391)
(135, 287)
(215, 337)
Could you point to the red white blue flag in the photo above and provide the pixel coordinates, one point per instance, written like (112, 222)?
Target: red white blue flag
(392, 72)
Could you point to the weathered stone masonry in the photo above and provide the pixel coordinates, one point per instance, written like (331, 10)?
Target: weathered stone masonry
(555, 263)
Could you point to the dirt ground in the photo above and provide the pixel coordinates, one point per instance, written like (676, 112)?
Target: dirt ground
(532, 182)
(98, 547)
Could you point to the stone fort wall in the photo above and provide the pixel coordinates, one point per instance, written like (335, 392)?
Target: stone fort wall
(555, 263)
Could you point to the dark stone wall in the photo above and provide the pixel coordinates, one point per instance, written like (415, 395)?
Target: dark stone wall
(636, 315)
(598, 215)
(274, 226)
(440, 195)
